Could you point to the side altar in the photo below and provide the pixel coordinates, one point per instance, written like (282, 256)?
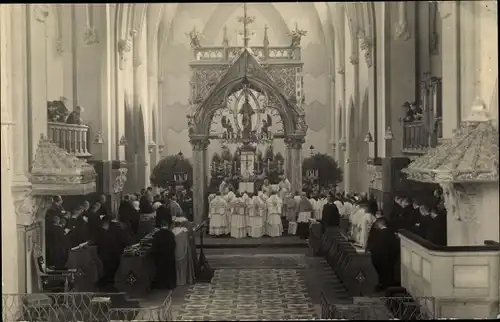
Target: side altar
(239, 95)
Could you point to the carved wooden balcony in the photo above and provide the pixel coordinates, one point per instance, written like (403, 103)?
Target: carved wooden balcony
(415, 137)
(70, 137)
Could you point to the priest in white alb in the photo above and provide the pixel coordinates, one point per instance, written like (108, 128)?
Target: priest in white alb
(238, 222)
(274, 227)
(255, 223)
(229, 197)
(217, 215)
(224, 187)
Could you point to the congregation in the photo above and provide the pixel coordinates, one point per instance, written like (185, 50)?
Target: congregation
(161, 219)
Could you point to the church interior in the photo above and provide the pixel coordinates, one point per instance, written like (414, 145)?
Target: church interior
(396, 102)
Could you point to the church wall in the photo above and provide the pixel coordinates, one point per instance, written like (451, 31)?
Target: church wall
(178, 54)
(362, 119)
(55, 62)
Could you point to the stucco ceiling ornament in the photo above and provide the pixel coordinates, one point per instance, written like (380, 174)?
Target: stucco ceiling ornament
(90, 36)
(401, 29)
(124, 48)
(366, 45)
(41, 12)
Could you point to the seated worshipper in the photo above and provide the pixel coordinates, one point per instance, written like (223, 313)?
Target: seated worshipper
(103, 210)
(238, 222)
(175, 208)
(163, 214)
(163, 252)
(255, 222)
(396, 217)
(331, 215)
(146, 203)
(58, 244)
(75, 117)
(111, 241)
(383, 246)
(274, 227)
(78, 230)
(184, 265)
(129, 215)
(422, 226)
(266, 188)
(436, 230)
(292, 213)
(305, 210)
(218, 225)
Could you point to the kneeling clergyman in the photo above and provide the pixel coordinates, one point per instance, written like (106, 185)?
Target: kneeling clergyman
(217, 213)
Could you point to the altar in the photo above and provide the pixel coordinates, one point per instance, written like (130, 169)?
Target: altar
(248, 97)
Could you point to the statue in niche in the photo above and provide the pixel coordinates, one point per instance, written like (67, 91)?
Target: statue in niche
(195, 38)
(246, 121)
(228, 127)
(266, 124)
(190, 124)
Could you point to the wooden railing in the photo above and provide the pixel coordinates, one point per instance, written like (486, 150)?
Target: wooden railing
(417, 139)
(71, 137)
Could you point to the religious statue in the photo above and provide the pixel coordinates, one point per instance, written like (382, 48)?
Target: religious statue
(266, 124)
(195, 38)
(226, 124)
(246, 112)
(296, 35)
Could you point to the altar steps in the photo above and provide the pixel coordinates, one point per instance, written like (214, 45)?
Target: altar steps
(247, 242)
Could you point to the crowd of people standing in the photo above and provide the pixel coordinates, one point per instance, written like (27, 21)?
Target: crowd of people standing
(112, 233)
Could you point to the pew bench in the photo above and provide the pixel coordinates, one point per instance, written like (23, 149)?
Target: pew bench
(351, 265)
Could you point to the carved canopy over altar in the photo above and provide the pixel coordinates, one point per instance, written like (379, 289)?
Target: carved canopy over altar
(269, 76)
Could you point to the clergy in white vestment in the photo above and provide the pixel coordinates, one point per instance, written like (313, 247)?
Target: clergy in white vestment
(361, 221)
(292, 213)
(229, 211)
(274, 227)
(255, 223)
(217, 215)
(317, 208)
(347, 208)
(238, 223)
(224, 187)
(340, 206)
(266, 187)
(284, 187)
(321, 203)
(305, 212)
(262, 209)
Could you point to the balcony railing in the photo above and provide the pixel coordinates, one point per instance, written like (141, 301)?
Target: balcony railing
(416, 138)
(71, 137)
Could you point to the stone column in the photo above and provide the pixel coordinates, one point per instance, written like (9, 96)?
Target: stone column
(10, 271)
(450, 38)
(294, 152)
(200, 146)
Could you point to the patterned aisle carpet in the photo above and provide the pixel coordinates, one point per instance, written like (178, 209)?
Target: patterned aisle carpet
(248, 295)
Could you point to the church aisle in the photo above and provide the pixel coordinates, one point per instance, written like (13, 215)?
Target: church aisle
(249, 294)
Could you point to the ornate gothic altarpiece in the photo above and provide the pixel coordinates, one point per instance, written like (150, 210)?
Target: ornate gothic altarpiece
(240, 87)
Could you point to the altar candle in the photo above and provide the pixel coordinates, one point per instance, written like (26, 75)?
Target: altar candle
(268, 165)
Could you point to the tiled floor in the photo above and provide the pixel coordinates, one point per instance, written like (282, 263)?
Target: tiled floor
(248, 294)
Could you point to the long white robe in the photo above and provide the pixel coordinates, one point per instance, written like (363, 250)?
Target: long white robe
(255, 228)
(238, 224)
(316, 209)
(217, 214)
(229, 211)
(274, 227)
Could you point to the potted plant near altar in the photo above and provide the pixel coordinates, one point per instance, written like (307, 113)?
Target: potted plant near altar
(166, 171)
(322, 171)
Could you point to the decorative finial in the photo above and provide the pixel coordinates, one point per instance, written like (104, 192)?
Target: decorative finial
(266, 40)
(225, 41)
(245, 20)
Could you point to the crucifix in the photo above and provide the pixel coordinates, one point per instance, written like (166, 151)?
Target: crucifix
(246, 20)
